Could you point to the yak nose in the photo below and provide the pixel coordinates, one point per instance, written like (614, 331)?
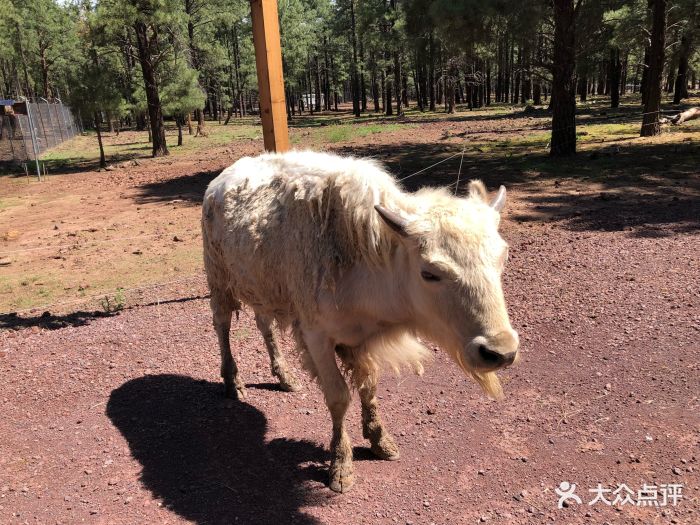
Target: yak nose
(496, 358)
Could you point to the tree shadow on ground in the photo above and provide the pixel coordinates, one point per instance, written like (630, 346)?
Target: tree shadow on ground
(49, 321)
(189, 188)
(207, 460)
(638, 185)
(652, 189)
(598, 111)
(69, 165)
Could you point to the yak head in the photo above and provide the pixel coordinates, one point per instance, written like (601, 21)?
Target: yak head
(451, 259)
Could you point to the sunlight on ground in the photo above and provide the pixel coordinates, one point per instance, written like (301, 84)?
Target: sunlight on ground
(91, 254)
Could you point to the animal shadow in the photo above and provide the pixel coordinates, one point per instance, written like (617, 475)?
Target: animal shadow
(208, 460)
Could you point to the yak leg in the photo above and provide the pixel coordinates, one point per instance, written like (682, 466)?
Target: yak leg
(337, 396)
(382, 444)
(278, 364)
(222, 308)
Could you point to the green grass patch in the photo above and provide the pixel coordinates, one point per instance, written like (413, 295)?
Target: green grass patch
(23, 291)
(84, 149)
(342, 133)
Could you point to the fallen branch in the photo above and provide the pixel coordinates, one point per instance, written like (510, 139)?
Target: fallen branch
(688, 114)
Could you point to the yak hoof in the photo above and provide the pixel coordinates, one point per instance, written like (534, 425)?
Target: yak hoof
(386, 448)
(341, 478)
(288, 383)
(233, 391)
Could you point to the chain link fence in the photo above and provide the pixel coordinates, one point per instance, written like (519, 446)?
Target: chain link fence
(28, 129)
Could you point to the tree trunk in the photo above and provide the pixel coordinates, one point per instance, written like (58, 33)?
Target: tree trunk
(397, 83)
(507, 72)
(563, 84)
(375, 85)
(44, 65)
(317, 85)
(645, 73)
(671, 78)
(155, 110)
(354, 74)
(582, 87)
(239, 84)
(614, 75)
(443, 69)
(499, 72)
(431, 73)
(335, 84)
(652, 107)
(194, 62)
(488, 82)
(450, 89)
(518, 76)
(178, 121)
(309, 82)
(681, 87)
(527, 80)
(404, 88)
(383, 85)
(472, 94)
(327, 75)
(27, 86)
(417, 81)
(103, 162)
(363, 83)
(231, 88)
(287, 101)
(389, 95)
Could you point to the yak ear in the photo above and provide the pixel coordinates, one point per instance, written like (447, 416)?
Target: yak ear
(477, 190)
(499, 200)
(392, 219)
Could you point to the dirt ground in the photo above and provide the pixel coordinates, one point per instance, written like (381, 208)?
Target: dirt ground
(120, 417)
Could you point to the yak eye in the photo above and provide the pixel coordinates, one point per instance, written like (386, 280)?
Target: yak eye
(429, 276)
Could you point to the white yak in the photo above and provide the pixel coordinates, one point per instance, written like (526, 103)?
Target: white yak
(331, 248)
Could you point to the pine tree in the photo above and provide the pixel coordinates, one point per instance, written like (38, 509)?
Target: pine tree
(181, 94)
(95, 84)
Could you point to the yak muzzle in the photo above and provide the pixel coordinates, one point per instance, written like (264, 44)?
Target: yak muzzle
(496, 358)
(496, 351)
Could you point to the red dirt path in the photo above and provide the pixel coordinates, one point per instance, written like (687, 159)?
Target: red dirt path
(122, 419)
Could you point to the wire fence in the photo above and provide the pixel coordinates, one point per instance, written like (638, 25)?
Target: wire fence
(30, 128)
(112, 300)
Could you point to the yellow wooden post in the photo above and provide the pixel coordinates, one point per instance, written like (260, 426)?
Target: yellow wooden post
(268, 61)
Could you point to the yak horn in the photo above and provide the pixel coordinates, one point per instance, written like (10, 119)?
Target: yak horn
(392, 219)
(499, 200)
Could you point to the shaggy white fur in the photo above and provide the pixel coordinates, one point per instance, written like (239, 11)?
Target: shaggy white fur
(280, 229)
(297, 237)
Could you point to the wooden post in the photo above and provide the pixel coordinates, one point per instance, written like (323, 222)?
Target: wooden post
(268, 61)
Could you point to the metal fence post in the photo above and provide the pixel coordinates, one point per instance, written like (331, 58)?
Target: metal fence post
(33, 136)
